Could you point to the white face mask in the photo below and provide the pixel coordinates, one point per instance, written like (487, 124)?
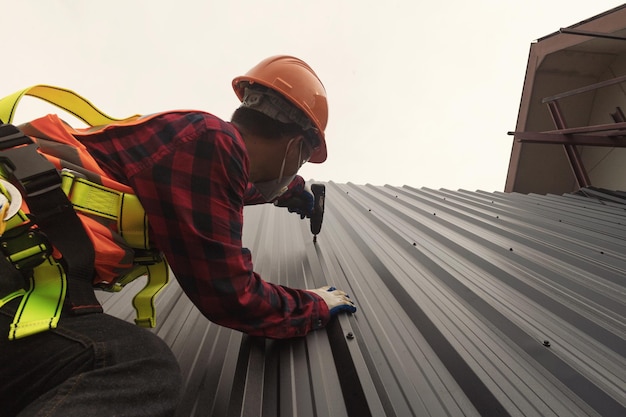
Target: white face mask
(272, 189)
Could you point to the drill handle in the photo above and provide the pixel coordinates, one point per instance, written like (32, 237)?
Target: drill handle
(319, 195)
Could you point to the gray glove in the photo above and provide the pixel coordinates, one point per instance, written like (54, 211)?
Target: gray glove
(336, 300)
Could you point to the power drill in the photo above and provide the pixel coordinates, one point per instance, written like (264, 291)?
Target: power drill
(319, 195)
(296, 204)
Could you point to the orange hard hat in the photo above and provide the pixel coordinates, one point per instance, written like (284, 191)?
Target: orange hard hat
(298, 83)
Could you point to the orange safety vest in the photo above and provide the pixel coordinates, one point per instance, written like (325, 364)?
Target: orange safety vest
(114, 255)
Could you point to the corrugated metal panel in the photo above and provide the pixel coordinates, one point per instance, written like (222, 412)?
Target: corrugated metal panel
(470, 303)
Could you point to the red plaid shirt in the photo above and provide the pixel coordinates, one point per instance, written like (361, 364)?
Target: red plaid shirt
(190, 171)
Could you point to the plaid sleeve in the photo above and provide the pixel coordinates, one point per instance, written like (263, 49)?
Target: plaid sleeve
(252, 196)
(192, 186)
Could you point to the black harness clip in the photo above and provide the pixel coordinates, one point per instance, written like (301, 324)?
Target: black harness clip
(31, 171)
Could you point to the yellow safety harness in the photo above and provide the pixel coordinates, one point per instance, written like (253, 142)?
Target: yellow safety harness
(28, 241)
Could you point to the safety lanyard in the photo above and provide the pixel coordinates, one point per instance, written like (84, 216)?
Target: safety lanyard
(63, 99)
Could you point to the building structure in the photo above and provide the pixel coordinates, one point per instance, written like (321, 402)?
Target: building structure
(469, 303)
(571, 124)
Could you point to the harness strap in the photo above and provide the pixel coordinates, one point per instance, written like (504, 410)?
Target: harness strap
(40, 307)
(102, 201)
(58, 220)
(158, 278)
(63, 99)
(96, 199)
(143, 302)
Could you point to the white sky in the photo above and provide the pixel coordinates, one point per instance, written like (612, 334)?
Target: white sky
(420, 93)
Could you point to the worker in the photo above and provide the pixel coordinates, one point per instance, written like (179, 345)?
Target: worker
(192, 172)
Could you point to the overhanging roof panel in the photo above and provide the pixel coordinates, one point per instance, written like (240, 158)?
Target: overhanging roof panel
(572, 81)
(457, 292)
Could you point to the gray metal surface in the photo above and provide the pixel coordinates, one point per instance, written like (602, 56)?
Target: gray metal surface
(470, 303)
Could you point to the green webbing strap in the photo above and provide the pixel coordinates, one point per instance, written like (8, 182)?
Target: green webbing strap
(143, 302)
(158, 277)
(41, 305)
(63, 99)
(40, 184)
(12, 296)
(96, 199)
(37, 313)
(39, 310)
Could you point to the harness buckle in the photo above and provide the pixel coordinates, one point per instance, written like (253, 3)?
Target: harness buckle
(20, 159)
(26, 247)
(147, 257)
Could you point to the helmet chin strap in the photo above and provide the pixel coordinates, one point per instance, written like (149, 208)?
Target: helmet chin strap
(282, 167)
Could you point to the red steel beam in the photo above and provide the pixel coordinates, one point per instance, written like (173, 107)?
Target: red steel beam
(569, 139)
(576, 163)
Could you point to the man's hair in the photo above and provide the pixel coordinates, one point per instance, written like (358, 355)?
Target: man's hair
(258, 124)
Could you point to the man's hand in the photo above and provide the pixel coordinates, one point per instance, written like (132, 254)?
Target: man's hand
(336, 300)
(298, 200)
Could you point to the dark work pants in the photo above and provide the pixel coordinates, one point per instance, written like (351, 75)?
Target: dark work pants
(91, 365)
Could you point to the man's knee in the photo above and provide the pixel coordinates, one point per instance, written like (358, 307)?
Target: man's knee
(141, 357)
(146, 370)
(110, 366)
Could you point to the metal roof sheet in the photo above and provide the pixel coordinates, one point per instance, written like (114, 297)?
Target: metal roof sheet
(469, 303)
